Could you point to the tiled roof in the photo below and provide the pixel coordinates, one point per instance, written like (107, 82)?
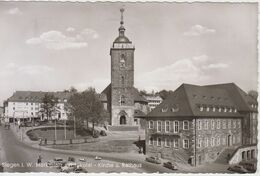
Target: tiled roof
(139, 113)
(188, 99)
(36, 96)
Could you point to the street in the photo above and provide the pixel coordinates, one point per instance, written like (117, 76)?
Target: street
(16, 156)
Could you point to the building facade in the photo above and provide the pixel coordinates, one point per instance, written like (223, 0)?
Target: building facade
(153, 101)
(121, 98)
(27, 105)
(197, 124)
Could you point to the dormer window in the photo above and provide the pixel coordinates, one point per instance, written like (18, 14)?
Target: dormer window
(201, 108)
(213, 109)
(235, 110)
(230, 110)
(164, 109)
(219, 109)
(207, 109)
(225, 109)
(175, 108)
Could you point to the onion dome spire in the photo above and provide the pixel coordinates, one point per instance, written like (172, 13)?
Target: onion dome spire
(121, 28)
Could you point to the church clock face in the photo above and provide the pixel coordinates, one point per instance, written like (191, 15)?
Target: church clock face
(122, 61)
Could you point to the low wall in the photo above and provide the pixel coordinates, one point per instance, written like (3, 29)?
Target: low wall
(68, 141)
(243, 153)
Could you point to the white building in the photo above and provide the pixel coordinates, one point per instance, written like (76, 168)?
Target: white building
(27, 105)
(153, 101)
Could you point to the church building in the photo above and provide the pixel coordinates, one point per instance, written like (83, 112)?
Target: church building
(120, 97)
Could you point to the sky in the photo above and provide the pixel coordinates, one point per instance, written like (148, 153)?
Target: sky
(51, 46)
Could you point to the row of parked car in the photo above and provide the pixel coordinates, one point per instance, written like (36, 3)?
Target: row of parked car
(156, 160)
(70, 165)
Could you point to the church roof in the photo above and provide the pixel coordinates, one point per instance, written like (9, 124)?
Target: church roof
(122, 39)
(188, 99)
(106, 94)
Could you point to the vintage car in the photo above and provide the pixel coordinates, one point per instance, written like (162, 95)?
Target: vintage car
(153, 160)
(170, 165)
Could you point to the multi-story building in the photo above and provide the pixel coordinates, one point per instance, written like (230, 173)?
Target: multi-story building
(27, 105)
(196, 124)
(153, 101)
(121, 98)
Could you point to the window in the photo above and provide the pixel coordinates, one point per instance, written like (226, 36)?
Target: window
(164, 109)
(151, 141)
(167, 142)
(150, 126)
(234, 139)
(175, 143)
(199, 143)
(235, 110)
(185, 143)
(218, 141)
(31, 103)
(238, 123)
(206, 124)
(212, 141)
(159, 126)
(230, 110)
(122, 61)
(213, 109)
(199, 125)
(167, 126)
(13, 108)
(206, 142)
(225, 109)
(223, 140)
(224, 125)
(234, 123)
(175, 126)
(175, 108)
(185, 125)
(212, 124)
(26, 103)
(218, 124)
(122, 100)
(238, 139)
(207, 109)
(201, 108)
(32, 113)
(159, 141)
(229, 124)
(31, 108)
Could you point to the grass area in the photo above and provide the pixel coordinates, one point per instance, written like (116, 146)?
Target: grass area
(49, 133)
(120, 146)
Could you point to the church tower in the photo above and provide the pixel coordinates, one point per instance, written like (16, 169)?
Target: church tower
(122, 79)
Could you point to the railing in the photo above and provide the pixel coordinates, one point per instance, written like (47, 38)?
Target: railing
(236, 157)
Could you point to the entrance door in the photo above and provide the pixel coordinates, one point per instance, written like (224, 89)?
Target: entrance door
(122, 120)
(229, 140)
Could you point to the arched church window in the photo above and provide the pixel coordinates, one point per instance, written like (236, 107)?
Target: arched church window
(122, 60)
(122, 100)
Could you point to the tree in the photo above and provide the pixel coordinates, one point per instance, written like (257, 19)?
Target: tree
(49, 105)
(86, 106)
(253, 94)
(164, 94)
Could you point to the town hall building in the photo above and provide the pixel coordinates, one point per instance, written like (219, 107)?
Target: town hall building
(120, 98)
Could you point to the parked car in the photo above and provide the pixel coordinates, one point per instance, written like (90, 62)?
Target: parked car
(82, 159)
(80, 170)
(153, 160)
(69, 167)
(238, 169)
(98, 158)
(56, 162)
(170, 165)
(249, 165)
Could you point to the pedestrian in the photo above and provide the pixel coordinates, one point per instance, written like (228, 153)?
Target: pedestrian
(39, 159)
